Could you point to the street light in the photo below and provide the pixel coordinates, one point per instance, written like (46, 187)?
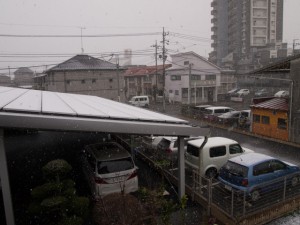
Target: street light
(291, 97)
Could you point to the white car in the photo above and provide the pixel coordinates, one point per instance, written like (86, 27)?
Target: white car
(243, 92)
(109, 168)
(282, 94)
(208, 155)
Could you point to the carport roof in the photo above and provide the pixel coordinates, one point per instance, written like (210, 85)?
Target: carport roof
(35, 109)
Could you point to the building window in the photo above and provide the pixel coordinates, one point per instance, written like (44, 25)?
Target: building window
(281, 124)
(131, 78)
(175, 77)
(68, 82)
(265, 120)
(196, 77)
(83, 81)
(93, 81)
(110, 80)
(147, 78)
(210, 77)
(184, 92)
(256, 118)
(176, 92)
(186, 63)
(170, 91)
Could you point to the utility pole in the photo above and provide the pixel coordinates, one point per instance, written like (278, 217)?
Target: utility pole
(189, 87)
(164, 71)
(82, 50)
(294, 45)
(118, 77)
(156, 76)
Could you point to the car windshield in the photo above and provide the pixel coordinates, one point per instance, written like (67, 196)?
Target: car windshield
(236, 169)
(113, 166)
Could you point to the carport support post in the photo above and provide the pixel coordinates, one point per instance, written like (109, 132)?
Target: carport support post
(181, 170)
(8, 207)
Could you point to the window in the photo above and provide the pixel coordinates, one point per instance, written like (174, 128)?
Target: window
(186, 63)
(131, 79)
(210, 77)
(256, 118)
(176, 92)
(196, 77)
(175, 77)
(147, 78)
(194, 151)
(93, 81)
(235, 149)
(217, 151)
(281, 124)
(110, 80)
(262, 168)
(170, 91)
(265, 120)
(184, 92)
(68, 82)
(276, 165)
(83, 81)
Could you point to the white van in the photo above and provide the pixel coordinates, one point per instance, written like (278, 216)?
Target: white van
(140, 101)
(211, 113)
(210, 154)
(109, 168)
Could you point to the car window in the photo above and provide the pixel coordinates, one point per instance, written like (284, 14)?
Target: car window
(262, 168)
(164, 143)
(208, 111)
(217, 151)
(236, 169)
(235, 149)
(114, 166)
(277, 165)
(193, 150)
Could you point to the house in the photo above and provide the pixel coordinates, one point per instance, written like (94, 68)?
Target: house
(270, 117)
(193, 72)
(84, 74)
(144, 80)
(284, 75)
(23, 77)
(5, 80)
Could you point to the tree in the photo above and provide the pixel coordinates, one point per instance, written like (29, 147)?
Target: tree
(56, 201)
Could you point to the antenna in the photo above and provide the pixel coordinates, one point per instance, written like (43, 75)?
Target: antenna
(82, 50)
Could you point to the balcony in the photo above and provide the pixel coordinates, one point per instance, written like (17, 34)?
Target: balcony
(204, 83)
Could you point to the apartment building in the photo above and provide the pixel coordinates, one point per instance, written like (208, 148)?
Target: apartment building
(242, 28)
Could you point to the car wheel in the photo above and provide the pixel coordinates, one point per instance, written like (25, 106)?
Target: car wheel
(295, 181)
(255, 195)
(211, 173)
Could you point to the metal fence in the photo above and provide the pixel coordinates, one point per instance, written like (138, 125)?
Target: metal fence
(238, 204)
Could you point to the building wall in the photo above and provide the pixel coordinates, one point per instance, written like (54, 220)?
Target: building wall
(206, 89)
(5, 81)
(271, 129)
(98, 82)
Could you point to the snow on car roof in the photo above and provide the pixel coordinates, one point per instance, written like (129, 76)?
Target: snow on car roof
(250, 159)
(212, 141)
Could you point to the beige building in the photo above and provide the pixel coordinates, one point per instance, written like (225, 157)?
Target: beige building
(87, 75)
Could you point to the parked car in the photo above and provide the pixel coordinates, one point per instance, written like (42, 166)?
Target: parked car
(261, 93)
(230, 118)
(209, 154)
(245, 118)
(232, 91)
(109, 168)
(167, 147)
(250, 172)
(243, 92)
(282, 94)
(199, 110)
(211, 113)
(140, 101)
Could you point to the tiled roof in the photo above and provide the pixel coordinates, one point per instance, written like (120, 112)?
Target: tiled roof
(23, 70)
(273, 104)
(145, 70)
(84, 62)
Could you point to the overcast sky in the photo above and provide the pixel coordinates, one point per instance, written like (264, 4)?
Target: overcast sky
(98, 17)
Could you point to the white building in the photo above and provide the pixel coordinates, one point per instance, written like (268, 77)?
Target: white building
(195, 73)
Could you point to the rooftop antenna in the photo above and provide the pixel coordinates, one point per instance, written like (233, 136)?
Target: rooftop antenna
(82, 50)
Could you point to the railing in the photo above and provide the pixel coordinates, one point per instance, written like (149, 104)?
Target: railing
(240, 204)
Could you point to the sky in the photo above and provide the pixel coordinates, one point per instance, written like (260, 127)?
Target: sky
(187, 23)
